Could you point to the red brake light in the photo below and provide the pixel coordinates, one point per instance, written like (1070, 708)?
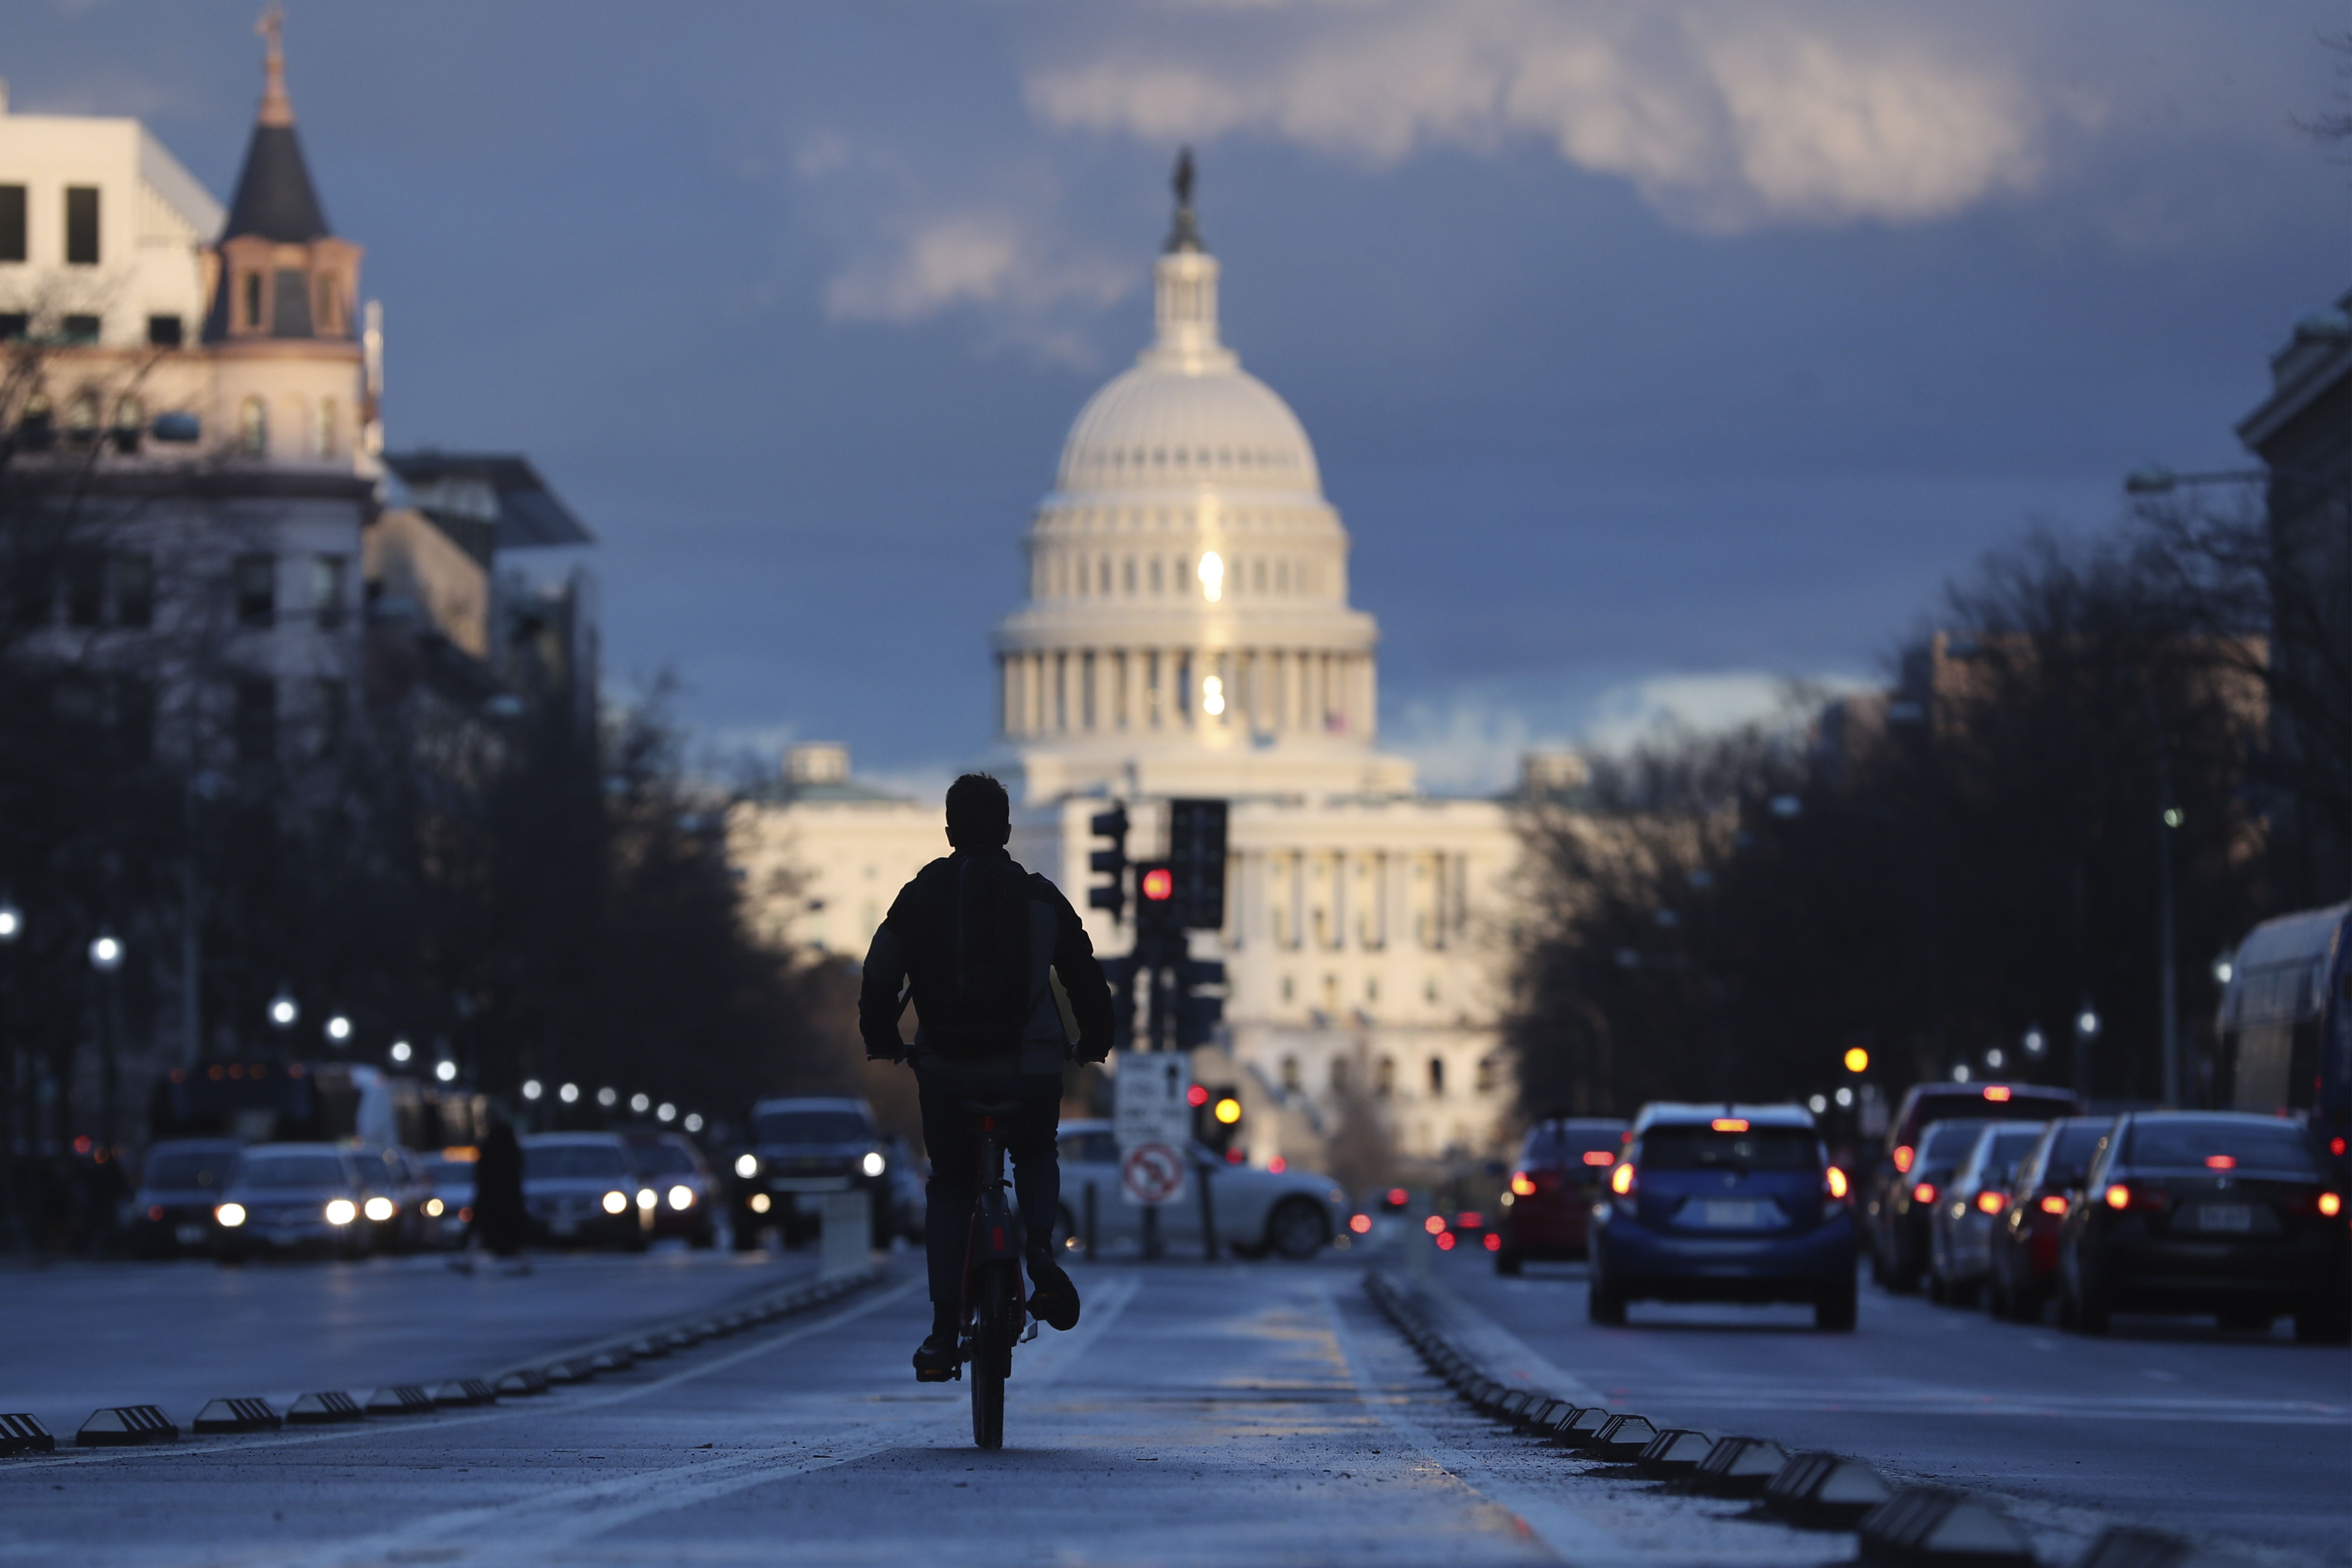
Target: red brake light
(1361, 1225)
(1277, 1165)
(2054, 1204)
(2336, 1146)
(1833, 1183)
(1989, 1202)
(2331, 1205)
(1904, 1155)
(1996, 1091)
(1494, 1242)
(155, 1211)
(1234, 1156)
(1469, 1219)
(1728, 1124)
(1523, 1184)
(1599, 1157)
(2119, 1196)
(1398, 1197)
(1621, 1181)
(2220, 1162)
(1196, 1097)
(1444, 1241)
(1924, 1193)
(1434, 1225)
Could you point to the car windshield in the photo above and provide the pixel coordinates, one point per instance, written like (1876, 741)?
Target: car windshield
(207, 1168)
(2215, 1143)
(1949, 1142)
(2009, 1146)
(664, 1160)
(1970, 1105)
(1704, 1149)
(1573, 1146)
(448, 1173)
(811, 1126)
(576, 1162)
(292, 1171)
(2070, 1158)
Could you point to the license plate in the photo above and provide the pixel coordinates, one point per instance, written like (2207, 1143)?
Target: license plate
(2234, 1217)
(189, 1235)
(1717, 1215)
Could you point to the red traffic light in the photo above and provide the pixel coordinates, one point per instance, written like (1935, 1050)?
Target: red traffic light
(1196, 1096)
(1159, 884)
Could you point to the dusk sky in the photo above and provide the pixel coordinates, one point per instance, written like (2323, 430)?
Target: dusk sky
(1651, 352)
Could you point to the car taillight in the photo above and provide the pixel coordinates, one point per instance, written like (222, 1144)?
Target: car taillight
(2331, 1204)
(2054, 1204)
(155, 1211)
(1434, 1225)
(1833, 1183)
(1361, 1223)
(1904, 1155)
(1494, 1242)
(1621, 1181)
(2121, 1196)
(1924, 1193)
(1523, 1184)
(1602, 1157)
(1989, 1202)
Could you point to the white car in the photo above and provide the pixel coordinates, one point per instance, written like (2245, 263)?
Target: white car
(1294, 1213)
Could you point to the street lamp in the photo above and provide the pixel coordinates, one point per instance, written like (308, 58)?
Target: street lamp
(401, 1051)
(445, 1070)
(568, 1094)
(106, 958)
(284, 1009)
(608, 1097)
(693, 1123)
(665, 1112)
(2035, 1041)
(2086, 1029)
(12, 921)
(339, 1030)
(640, 1104)
(532, 1088)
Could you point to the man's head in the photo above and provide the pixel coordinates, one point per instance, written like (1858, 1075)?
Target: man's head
(980, 816)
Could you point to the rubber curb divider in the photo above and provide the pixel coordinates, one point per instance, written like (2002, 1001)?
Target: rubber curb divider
(464, 1391)
(328, 1408)
(400, 1399)
(1740, 1467)
(1825, 1491)
(223, 1417)
(122, 1425)
(645, 1348)
(522, 1383)
(2138, 1546)
(1675, 1453)
(1622, 1441)
(1939, 1527)
(1581, 1427)
(26, 1434)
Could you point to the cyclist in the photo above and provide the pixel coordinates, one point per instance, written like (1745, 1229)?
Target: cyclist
(977, 943)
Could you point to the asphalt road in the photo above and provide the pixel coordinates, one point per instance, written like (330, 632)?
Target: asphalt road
(78, 1336)
(2169, 1421)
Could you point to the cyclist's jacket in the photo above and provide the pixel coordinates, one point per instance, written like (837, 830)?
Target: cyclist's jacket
(976, 942)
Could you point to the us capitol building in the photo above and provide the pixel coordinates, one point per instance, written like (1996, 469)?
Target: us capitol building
(1188, 633)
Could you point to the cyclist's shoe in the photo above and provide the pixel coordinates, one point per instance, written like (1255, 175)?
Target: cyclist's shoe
(1051, 1294)
(936, 1358)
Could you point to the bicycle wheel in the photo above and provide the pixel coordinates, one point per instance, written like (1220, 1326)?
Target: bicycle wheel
(989, 1352)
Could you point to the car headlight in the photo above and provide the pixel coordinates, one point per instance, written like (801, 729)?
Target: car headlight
(747, 1165)
(873, 1165)
(648, 1198)
(378, 1209)
(230, 1214)
(434, 1207)
(681, 1196)
(341, 1211)
(617, 1203)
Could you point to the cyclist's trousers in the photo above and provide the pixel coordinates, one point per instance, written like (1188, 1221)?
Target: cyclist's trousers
(953, 1144)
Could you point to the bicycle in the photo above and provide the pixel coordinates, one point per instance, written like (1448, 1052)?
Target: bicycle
(994, 1307)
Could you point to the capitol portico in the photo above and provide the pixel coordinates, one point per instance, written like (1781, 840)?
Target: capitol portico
(1188, 632)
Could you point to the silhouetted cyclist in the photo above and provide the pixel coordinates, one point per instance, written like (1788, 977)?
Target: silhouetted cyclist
(976, 943)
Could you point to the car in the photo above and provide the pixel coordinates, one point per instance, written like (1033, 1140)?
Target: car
(292, 1197)
(1959, 1224)
(2024, 1240)
(183, 1180)
(393, 1208)
(802, 1149)
(1546, 1210)
(1895, 1228)
(2220, 1212)
(1725, 1203)
(581, 1189)
(449, 1203)
(1259, 1210)
(670, 1164)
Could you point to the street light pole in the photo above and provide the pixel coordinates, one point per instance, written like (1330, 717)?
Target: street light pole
(106, 959)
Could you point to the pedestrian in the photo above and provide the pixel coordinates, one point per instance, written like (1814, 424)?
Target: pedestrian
(498, 1215)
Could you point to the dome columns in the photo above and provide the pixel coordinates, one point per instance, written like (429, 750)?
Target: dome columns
(1179, 690)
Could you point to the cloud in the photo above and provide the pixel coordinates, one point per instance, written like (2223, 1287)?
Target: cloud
(1724, 117)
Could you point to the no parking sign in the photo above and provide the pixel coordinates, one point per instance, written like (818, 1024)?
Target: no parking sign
(1153, 1118)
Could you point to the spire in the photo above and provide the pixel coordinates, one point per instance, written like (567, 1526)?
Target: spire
(1186, 235)
(274, 196)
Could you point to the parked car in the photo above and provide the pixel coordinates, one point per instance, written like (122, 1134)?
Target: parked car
(670, 1164)
(1895, 1228)
(2024, 1240)
(394, 1207)
(292, 1197)
(1546, 1211)
(802, 1149)
(1291, 1213)
(1959, 1224)
(2215, 1212)
(449, 1203)
(1725, 1203)
(184, 1179)
(582, 1189)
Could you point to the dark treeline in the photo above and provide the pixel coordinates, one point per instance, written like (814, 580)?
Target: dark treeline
(1932, 872)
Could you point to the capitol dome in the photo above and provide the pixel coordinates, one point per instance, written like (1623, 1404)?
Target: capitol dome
(1170, 425)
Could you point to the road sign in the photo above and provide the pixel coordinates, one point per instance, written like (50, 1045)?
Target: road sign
(1152, 1174)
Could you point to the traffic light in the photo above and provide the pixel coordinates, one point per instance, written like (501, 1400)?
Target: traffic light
(1857, 1060)
(1196, 861)
(1216, 1115)
(1198, 1014)
(1111, 826)
(1155, 912)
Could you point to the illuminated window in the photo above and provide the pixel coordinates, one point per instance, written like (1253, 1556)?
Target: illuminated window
(1213, 576)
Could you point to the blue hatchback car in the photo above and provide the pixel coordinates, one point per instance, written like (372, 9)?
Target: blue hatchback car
(1725, 1203)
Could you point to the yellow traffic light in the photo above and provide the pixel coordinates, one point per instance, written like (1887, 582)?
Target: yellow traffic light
(1229, 1111)
(1857, 1060)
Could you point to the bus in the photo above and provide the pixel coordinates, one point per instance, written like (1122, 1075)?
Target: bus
(260, 1102)
(2285, 1024)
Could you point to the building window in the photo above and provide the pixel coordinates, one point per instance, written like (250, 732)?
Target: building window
(327, 590)
(253, 581)
(290, 304)
(253, 300)
(256, 724)
(1338, 1075)
(164, 332)
(15, 326)
(11, 223)
(323, 308)
(1437, 1076)
(81, 416)
(134, 590)
(1290, 1075)
(1289, 985)
(129, 419)
(1384, 1078)
(1155, 573)
(85, 574)
(81, 226)
(253, 427)
(1487, 1075)
(330, 418)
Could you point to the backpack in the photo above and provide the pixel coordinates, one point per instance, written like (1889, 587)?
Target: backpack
(968, 960)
